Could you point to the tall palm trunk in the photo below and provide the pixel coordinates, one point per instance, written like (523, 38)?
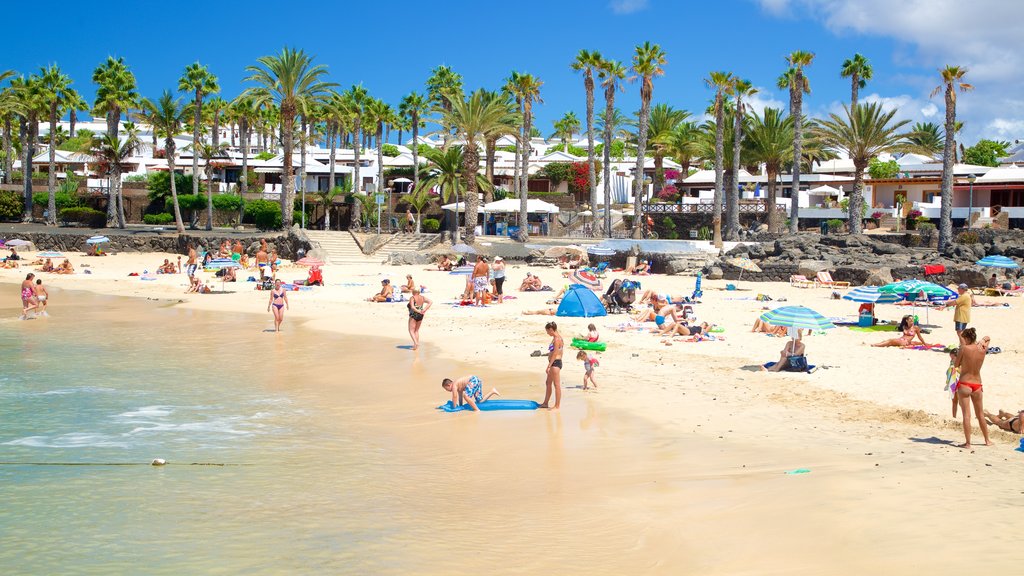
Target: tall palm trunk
(659, 171)
(356, 219)
(8, 158)
(609, 111)
(489, 152)
(732, 198)
(28, 149)
(332, 130)
(51, 176)
(470, 166)
(856, 209)
(415, 154)
(243, 183)
(948, 159)
(588, 84)
(288, 180)
(302, 167)
(855, 80)
(716, 218)
(231, 129)
(524, 170)
(169, 147)
(115, 216)
(796, 99)
(196, 121)
(73, 120)
(646, 90)
(215, 132)
(380, 164)
(773, 213)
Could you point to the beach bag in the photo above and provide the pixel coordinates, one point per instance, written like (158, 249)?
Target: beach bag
(797, 364)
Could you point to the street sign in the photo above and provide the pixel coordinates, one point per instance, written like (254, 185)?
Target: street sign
(380, 199)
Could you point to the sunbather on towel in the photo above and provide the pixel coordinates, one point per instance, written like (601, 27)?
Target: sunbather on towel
(909, 329)
(762, 326)
(1007, 421)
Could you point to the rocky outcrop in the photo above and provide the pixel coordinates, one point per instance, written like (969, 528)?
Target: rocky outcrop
(287, 244)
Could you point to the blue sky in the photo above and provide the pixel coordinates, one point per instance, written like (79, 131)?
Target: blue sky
(391, 46)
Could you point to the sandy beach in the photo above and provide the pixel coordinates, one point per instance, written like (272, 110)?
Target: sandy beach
(886, 490)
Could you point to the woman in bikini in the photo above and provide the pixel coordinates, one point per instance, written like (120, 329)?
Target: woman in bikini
(1007, 421)
(969, 389)
(554, 369)
(278, 301)
(909, 330)
(28, 296)
(418, 306)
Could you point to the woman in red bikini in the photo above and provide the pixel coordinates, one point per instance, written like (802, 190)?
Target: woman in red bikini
(968, 389)
(909, 330)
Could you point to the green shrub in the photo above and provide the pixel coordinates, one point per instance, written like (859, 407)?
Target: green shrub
(265, 155)
(672, 235)
(389, 150)
(87, 216)
(878, 169)
(501, 194)
(967, 237)
(431, 225)
(668, 223)
(159, 185)
(266, 214)
(704, 233)
(11, 205)
(161, 218)
(136, 178)
(62, 199)
(17, 175)
(193, 202)
(924, 227)
(227, 202)
(835, 224)
(511, 149)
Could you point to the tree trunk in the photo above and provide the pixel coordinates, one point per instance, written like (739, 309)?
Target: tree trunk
(287, 180)
(113, 125)
(948, 155)
(732, 197)
(302, 170)
(196, 120)
(855, 79)
(470, 166)
(356, 219)
(641, 148)
(380, 164)
(415, 154)
(231, 128)
(8, 158)
(524, 170)
(209, 197)
(609, 111)
(489, 153)
(659, 172)
(51, 176)
(28, 150)
(515, 163)
(855, 211)
(588, 84)
(773, 213)
(716, 218)
(796, 97)
(178, 222)
(215, 133)
(74, 120)
(243, 184)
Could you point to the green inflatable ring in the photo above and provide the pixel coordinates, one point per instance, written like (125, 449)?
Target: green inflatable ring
(587, 345)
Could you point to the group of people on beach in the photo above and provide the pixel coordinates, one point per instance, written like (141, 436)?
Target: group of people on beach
(34, 297)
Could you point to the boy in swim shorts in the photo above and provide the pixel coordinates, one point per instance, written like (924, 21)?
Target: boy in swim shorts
(467, 390)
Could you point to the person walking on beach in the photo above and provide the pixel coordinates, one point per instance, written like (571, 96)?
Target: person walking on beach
(480, 282)
(42, 296)
(968, 389)
(498, 271)
(262, 259)
(192, 264)
(962, 314)
(28, 296)
(410, 222)
(418, 306)
(589, 363)
(467, 390)
(554, 370)
(278, 301)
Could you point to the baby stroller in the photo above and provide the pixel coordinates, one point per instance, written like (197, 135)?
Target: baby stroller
(620, 295)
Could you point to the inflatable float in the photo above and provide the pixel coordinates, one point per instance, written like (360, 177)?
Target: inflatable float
(587, 345)
(492, 406)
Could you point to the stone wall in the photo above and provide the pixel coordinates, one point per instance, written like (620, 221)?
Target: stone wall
(287, 244)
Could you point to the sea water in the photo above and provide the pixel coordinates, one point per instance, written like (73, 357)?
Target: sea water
(301, 453)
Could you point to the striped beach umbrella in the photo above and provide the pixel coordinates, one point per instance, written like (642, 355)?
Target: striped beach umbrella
(744, 264)
(913, 289)
(799, 317)
(872, 295)
(997, 262)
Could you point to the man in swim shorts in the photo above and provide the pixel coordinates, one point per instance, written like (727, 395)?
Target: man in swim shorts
(467, 390)
(968, 389)
(191, 265)
(481, 282)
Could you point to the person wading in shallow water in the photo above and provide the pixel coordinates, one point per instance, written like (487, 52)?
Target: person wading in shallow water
(553, 372)
(418, 306)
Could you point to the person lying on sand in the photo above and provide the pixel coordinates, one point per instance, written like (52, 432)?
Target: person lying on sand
(792, 348)
(541, 312)
(681, 329)
(762, 326)
(467, 390)
(909, 329)
(386, 294)
(531, 283)
(1007, 421)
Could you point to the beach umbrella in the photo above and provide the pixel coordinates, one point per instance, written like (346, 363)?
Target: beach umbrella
(559, 251)
(50, 254)
(97, 240)
(997, 262)
(462, 248)
(600, 251)
(799, 317)
(744, 264)
(871, 295)
(588, 279)
(309, 261)
(911, 290)
(220, 263)
(18, 242)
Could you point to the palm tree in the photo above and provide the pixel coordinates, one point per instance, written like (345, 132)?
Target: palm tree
(326, 199)
(113, 151)
(209, 153)
(588, 62)
(291, 80)
(863, 134)
(357, 99)
(338, 117)
(491, 138)
(612, 73)
(472, 120)
(379, 112)
(33, 102)
(10, 106)
(859, 71)
(952, 80)
(246, 111)
(683, 145)
(565, 127)
(770, 141)
(720, 82)
(75, 104)
(663, 121)
(794, 80)
(526, 88)
(216, 107)
(199, 81)
(417, 200)
(115, 92)
(412, 107)
(55, 87)
(168, 117)
(927, 136)
(443, 87)
(647, 64)
(739, 89)
(444, 170)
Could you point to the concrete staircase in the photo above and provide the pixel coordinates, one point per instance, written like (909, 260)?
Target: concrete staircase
(408, 242)
(340, 247)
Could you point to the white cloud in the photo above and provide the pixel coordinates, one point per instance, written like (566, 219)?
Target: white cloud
(627, 6)
(1004, 129)
(762, 99)
(981, 35)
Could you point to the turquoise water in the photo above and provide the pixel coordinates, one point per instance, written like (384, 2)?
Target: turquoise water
(299, 453)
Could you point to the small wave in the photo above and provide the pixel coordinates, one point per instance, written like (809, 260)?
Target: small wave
(147, 412)
(77, 390)
(72, 440)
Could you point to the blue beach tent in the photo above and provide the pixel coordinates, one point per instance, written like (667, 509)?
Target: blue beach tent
(580, 302)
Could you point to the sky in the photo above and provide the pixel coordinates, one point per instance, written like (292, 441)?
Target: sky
(390, 47)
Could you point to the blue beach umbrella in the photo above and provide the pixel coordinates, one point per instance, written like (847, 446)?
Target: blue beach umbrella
(97, 240)
(907, 288)
(872, 295)
(799, 317)
(997, 262)
(50, 254)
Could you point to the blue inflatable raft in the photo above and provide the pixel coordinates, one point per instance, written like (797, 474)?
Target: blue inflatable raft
(492, 405)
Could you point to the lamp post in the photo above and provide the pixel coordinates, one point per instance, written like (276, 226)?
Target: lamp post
(970, 202)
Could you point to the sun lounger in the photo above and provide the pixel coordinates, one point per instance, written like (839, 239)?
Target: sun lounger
(801, 281)
(825, 279)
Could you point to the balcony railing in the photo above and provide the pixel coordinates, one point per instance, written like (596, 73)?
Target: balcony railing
(756, 207)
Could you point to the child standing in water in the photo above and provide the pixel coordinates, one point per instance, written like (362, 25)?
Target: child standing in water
(589, 363)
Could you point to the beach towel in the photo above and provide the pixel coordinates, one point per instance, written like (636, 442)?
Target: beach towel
(875, 328)
(930, 269)
(810, 368)
(936, 347)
